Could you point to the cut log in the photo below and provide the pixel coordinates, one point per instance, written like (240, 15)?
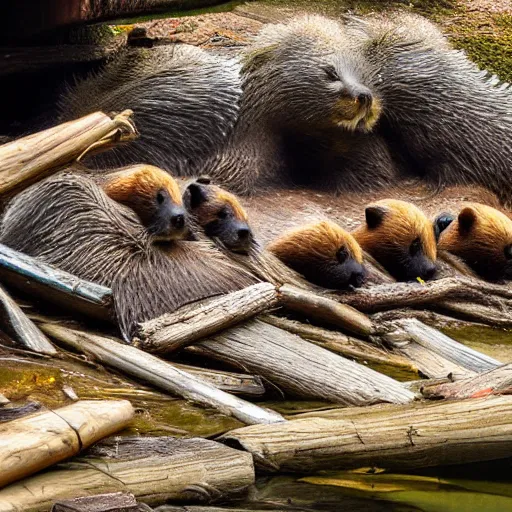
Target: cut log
(39, 280)
(35, 442)
(192, 322)
(325, 310)
(493, 382)
(29, 159)
(387, 436)
(163, 375)
(112, 502)
(299, 367)
(21, 329)
(154, 470)
(342, 344)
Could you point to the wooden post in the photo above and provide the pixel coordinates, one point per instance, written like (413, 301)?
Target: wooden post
(386, 436)
(299, 367)
(34, 442)
(161, 374)
(192, 322)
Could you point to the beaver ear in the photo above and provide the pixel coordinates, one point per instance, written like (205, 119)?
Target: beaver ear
(441, 222)
(374, 216)
(467, 219)
(195, 195)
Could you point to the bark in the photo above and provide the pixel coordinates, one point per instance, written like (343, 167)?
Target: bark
(112, 502)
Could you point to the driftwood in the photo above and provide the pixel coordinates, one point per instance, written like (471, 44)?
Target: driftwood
(37, 441)
(14, 322)
(29, 159)
(190, 323)
(155, 470)
(112, 502)
(342, 344)
(387, 436)
(493, 382)
(163, 375)
(299, 367)
(38, 280)
(325, 310)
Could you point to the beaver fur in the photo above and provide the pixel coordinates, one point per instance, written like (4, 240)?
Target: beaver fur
(446, 120)
(305, 114)
(69, 222)
(482, 237)
(400, 237)
(185, 101)
(324, 253)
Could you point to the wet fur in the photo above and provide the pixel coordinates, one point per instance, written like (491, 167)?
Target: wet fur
(69, 222)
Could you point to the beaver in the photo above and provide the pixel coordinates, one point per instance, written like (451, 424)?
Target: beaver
(400, 237)
(443, 118)
(482, 237)
(68, 221)
(184, 100)
(324, 253)
(306, 115)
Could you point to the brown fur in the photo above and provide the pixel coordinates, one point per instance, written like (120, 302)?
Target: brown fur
(481, 236)
(392, 232)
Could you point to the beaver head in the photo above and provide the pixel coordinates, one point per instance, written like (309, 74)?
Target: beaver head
(324, 253)
(153, 195)
(308, 73)
(400, 237)
(219, 213)
(482, 237)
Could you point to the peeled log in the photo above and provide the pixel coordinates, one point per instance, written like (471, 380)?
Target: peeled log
(387, 436)
(299, 367)
(29, 159)
(192, 322)
(154, 470)
(35, 442)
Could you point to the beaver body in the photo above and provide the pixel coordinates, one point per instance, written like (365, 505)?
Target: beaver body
(184, 100)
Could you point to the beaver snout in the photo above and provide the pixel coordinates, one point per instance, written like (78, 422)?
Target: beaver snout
(365, 99)
(178, 221)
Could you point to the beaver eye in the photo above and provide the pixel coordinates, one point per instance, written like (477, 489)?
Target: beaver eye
(508, 252)
(415, 247)
(160, 197)
(342, 255)
(331, 73)
(222, 213)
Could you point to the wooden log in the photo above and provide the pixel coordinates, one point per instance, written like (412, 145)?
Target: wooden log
(342, 344)
(112, 502)
(35, 442)
(29, 159)
(163, 375)
(154, 470)
(38, 280)
(387, 436)
(324, 309)
(299, 367)
(14, 322)
(494, 382)
(192, 322)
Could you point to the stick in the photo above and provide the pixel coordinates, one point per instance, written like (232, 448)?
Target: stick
(29, 159)
(299, 367)
(36, 279)
(155, 470)
(160, 374)
(15, 323)
(326, 310)
(190, 323)
(387, 436)
(35, 442)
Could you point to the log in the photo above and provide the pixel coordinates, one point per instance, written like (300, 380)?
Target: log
(388, 436)
(170, 332)
(14, 412)
(154, 470)
(20, 328)
(29, 159)
(342, 344)
(493, 382)
(299, 367)
(325, 310)
(35, 279)
(112, 502)
(37, 441)
(161, 374)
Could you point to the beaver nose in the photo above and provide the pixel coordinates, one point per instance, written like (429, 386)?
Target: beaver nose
(429, 272)
(243, 233)
(178, 221)
(364, 98)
